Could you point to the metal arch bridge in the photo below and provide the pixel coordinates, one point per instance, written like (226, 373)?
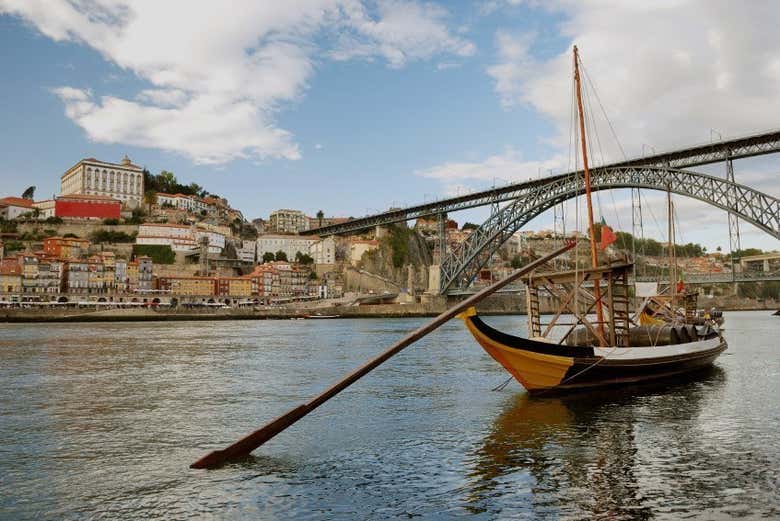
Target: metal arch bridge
(738, 148)
(462, 265)
(660, 172)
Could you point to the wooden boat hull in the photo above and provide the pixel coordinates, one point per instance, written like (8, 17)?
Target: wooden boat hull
(546, 367)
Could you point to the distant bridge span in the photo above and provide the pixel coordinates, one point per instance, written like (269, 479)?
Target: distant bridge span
(462, 265)
(738, 148)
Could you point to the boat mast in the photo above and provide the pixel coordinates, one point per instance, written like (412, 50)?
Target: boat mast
(593, 253)
(672, 253)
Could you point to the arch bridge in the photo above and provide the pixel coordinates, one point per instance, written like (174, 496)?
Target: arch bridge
(463, 263)
(664, 171)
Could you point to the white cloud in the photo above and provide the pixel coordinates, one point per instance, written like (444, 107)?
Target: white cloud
(401, 31)
(219, 75)
(667, 72)
(499, 168)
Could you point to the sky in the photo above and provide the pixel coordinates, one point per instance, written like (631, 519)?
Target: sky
(354, 106)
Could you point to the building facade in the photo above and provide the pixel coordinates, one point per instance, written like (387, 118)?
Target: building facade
(288, 221)
(14, 207)
(289, 244)
(124, 182)
(85, 206)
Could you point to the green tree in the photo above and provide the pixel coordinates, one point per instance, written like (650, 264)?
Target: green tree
(320, 216)
(469, 226)
(167, 181)
(303, 258)
(517, 262)
(268, 257)
(150, 198)
(280, 256)
(29, 193)
(160, 254)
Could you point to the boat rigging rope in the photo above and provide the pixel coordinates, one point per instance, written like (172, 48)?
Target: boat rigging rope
(500, 387)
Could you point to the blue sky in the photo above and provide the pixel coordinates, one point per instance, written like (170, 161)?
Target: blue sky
(358, 106)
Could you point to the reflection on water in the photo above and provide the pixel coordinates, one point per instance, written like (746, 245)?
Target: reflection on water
(579, 453)
(102, 420)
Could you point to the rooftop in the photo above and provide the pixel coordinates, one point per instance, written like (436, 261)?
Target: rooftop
(16, 201)
(106, 198)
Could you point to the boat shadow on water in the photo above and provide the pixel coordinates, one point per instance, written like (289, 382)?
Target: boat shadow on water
(577, 455)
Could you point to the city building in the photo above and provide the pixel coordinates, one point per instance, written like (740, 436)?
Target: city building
(179, 237)
(86, 206)
(247, 251)
(287, 221)
(124, 181)
(14, 207)
(189, 203)
(289, 244)
(10, 276)
(323, 251)
(45, 208)
(234, 286)
(65, 247)
(188, 286)
(357, 247)
(50, 276)
(29, 265)
(145, 275)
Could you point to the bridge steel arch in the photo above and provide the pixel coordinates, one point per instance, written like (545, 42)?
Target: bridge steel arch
(463, 263)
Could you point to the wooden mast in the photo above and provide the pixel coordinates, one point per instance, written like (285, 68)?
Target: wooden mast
(672, 252)
(593, 253)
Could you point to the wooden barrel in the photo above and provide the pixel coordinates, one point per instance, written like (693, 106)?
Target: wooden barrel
(641, 336)
(644, 336)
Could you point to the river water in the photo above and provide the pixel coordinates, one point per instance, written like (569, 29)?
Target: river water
(102, 421)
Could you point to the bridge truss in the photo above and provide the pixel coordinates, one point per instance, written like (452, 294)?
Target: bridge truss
(739, 148)
(463, 263)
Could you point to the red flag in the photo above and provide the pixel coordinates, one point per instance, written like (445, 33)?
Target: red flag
(607, 237)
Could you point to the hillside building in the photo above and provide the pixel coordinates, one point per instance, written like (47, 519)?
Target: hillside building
(124, 182)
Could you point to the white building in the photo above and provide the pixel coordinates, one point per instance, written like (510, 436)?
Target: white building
(13, 207)
(324, 251)
(216, 240)
(289, 244)
(247, 251)
(288, 221)
(179, 237)
(124, 182)
(45, 208)
(189, 203)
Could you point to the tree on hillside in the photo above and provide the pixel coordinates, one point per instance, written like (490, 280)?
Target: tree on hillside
(150, 198)
(281, 256)
(469, 226)
(268, 257)
(320, 216)
(29, 193)
(303, 258)
(167, 181)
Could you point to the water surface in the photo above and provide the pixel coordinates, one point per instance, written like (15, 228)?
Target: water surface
(102, 420)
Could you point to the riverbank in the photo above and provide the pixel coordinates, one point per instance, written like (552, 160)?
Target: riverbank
(501, 305)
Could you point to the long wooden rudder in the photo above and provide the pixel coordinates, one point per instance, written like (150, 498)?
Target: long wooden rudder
(247, 444)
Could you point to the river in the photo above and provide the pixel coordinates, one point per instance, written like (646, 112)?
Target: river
(102, 420)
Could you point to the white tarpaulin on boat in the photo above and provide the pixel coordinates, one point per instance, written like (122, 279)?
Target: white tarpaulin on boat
(646, 289)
